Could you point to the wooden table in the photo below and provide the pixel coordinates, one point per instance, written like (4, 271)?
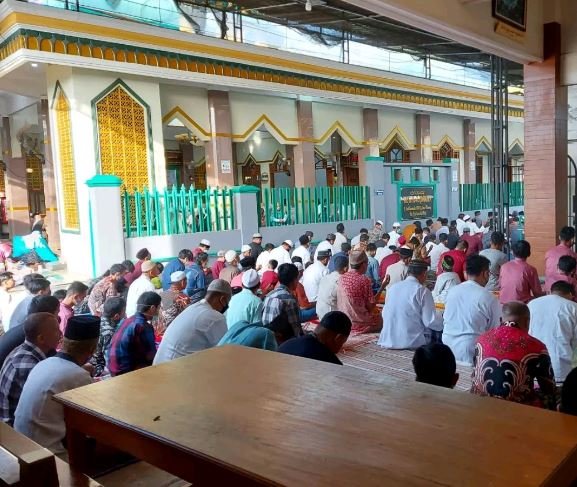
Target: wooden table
(240, 416)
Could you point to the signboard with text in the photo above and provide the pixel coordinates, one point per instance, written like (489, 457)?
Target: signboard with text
(417, 202)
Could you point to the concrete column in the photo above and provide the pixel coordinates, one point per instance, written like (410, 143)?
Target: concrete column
(424, 152)
(304, 152)
(51, 220)
(546, 181)
(378, 180)
(16, 186)
(246, 211)
(105, 222)
(219, 155)
(469, 154)
(371, 139)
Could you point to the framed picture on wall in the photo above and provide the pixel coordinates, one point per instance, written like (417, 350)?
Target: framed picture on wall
(511, 12)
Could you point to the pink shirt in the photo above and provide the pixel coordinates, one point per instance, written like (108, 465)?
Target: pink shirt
(519, 281)
(552, 259)
(562, 277)
(237, 280)
(65, 313)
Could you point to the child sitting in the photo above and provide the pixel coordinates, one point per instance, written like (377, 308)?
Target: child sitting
(269, 278)
(446, 280)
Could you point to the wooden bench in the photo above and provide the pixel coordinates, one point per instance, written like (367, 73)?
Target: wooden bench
(24, 463)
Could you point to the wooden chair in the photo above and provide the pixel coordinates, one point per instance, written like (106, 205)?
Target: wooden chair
(24, 463)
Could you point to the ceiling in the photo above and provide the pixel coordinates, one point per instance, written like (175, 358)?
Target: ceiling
(330, 20)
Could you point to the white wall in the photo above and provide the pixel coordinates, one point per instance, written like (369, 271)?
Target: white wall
(450, 125)
(403, 119)
(81, 87)
(246, 109)
(350, 117)
(192, 100)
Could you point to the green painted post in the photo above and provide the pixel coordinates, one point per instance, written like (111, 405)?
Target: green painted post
(147, 212)
(368, 196)
(158, 213)
(209, 226)
(232, 224)
(127, 223)
(265, 201)
(138, 212)
(216, 197)
(225, 222)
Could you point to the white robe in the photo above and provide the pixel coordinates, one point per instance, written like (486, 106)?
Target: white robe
(137, 289)
(554, 322)
(37, 415)
(444, 283)
(324, 245)
(281, 255)
(470, 311)
(340, 239)
(304, 253)
(312, 279)
(327, 297)
(408, 315)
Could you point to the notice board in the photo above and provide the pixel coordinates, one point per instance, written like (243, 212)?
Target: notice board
(417, 202)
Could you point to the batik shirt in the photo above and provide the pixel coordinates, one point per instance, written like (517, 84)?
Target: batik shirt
(98, 360)
(506, 363)
(103, 290)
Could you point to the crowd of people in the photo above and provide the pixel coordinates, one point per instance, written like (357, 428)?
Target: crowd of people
(454, 292)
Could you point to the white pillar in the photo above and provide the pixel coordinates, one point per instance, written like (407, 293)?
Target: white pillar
(106, 227)
(246, 211)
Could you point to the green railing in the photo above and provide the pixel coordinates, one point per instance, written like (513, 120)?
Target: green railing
(173, 211)
(480, 196)
(295, 206)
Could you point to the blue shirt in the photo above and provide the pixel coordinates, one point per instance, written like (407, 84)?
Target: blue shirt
(195, 282)
(132, 346)
(373, 273)
(253, 335)
(173, 266)
(244, 306)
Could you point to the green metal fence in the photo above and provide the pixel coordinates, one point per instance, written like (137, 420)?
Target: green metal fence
(294, 206)
(174, 211)
(480, 196)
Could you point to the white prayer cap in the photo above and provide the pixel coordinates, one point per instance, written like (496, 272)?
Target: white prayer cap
(230, 255)
(250, 279)
(289, 243)
(244, 248)
(466, 218)
(177, 276)
(299, 266)
(379, 222)
(256, 235)
(220, 286)
(396, 224)
(205, 242)
(221, 253)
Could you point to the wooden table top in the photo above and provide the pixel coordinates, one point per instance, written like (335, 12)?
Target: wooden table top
(295, 421)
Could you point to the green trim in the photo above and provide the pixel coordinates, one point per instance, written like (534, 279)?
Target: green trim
(396, 181)
(415, 185)
(307, 80)
(431, 179)
(91, 232)
(104, 180)
(71, 232)
(245, 189)
(145, 106)
(413, 180)
(374, 159)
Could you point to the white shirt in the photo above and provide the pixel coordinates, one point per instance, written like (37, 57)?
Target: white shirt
(383, 252)
(312, 279)
(7, 316)
(408, 314)
(398, 273)
(37, 415)
(394, 241)
(340, 239)
(197, 328)
(324, 245)
(262, 261)
(444, 283)
(137, 289)
(304, 253)
(461, 224)
(470, 311)
(355, 240)
(5, 302)
(327, 297)
(281, 255)
(475, 228)
(554, 322)
(435, 255)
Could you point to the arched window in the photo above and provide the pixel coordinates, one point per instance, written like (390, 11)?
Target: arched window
(446, 151)
(395, 153)
(123, 138)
